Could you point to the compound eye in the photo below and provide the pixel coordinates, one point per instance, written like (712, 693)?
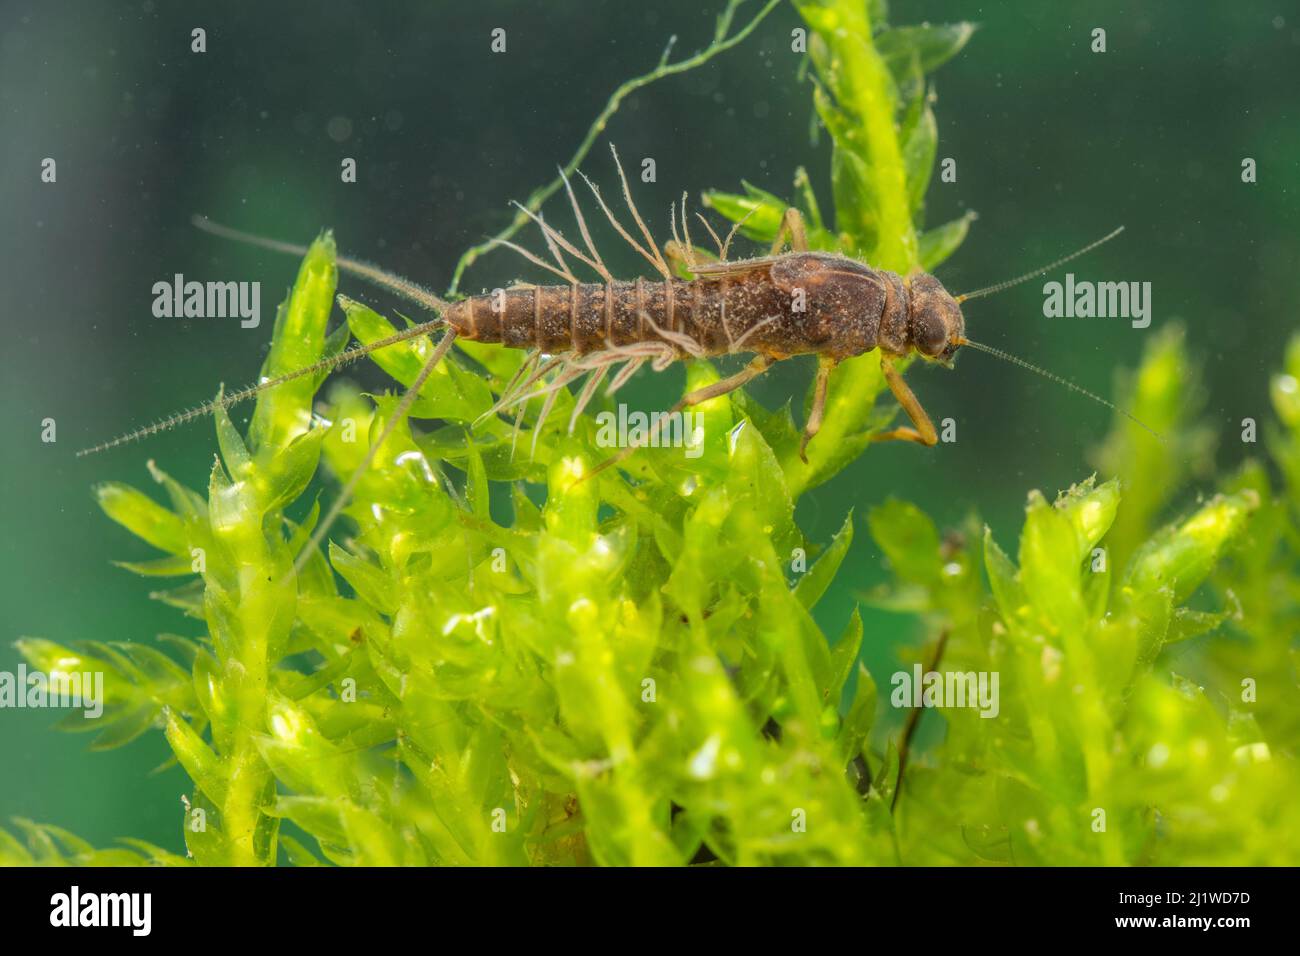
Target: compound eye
(931, 337)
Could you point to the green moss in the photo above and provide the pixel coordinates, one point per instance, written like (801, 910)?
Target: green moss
(630, 673)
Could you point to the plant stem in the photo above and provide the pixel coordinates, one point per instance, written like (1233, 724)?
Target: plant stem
(914, 718)
(720, 44)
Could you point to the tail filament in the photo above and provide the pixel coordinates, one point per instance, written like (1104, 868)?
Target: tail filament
(234, 398)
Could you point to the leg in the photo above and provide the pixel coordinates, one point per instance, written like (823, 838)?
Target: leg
(681, 258)
(814, 424)
(650, 250)
(923, 433)
(341, 502)
(791, 223)
(757, 366)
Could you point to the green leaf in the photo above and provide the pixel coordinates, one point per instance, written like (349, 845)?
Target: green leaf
(198, 759)
(447, 393)
(477, 488)
(1091, 509)
(296, 853)
(1187, 624)
(233, 451)
(756, 480)
(933, 44)
(1050, 564)
(1182, 554)
(856, 200)
(1284, 387)
(142, 516)
(860, 718)
(318, 816)
(887, 776)
(176, 566)
(760, 214)
(1004, 580)
(939, 243)
(814, 583)
(909, 540)
(288, 475)
(919, 148)
(844, 655)
(284, 412)
(369, 581)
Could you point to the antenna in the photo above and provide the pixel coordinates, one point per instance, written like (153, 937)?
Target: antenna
(1008, 357)
(989, 290)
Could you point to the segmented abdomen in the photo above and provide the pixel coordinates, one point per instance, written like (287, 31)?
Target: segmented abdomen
(589, 317)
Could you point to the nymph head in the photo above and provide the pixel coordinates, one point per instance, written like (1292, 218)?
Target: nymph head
(935, 324)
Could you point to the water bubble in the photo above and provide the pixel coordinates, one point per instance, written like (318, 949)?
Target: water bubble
(339, 128)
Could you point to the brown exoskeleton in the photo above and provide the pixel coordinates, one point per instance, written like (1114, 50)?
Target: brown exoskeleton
(836, 307)
(777, 306)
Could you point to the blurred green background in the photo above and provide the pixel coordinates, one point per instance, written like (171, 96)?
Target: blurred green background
(1055, 145)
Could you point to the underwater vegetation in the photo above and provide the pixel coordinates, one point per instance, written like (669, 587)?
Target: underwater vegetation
(501, 662)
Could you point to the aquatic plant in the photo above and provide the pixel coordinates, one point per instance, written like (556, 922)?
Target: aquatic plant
(504, 663)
